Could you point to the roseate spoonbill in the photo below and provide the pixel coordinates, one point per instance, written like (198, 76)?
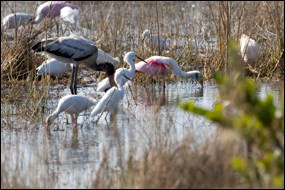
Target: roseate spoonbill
(112, 97)
(151, 41)
(16, 20)
(76, 50)
(104, 85)
(248, 48)
(162, 65)
(57, 9)
(53, 67)
(72, 104)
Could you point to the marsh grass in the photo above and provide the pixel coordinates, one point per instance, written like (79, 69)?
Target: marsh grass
(117, 27)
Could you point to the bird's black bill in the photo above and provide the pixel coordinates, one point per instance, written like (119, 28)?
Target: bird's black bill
(126, 77)
(141, 59)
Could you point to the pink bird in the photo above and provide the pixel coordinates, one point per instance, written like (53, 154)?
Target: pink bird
(160, 65)
(57, 9)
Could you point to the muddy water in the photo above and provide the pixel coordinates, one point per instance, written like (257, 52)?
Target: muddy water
(146, 117)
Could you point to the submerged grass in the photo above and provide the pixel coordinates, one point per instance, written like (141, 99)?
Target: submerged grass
(116, 27)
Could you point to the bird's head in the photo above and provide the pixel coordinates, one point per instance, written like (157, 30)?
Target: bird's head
(146, 34)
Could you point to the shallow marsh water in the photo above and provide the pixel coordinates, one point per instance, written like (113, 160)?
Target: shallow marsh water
(70, 159)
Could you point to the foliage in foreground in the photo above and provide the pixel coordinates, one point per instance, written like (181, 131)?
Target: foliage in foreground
(258, 120)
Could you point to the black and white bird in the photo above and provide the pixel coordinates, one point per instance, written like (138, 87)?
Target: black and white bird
(75, 50)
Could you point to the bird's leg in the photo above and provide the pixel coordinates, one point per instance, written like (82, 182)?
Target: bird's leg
(73, 86)
(57, 29)
(74, 121)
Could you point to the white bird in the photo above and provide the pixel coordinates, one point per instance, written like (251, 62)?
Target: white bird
(72, 104)
(76, 50)
(151, 41)
(160, 65)
(53, 67)
(64, 11)
(16, 20)
(248, 48)
(110, 100)
(105, 85)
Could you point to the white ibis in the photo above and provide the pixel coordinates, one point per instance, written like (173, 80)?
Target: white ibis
(72, 104)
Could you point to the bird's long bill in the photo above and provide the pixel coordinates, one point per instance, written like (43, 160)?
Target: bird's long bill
(126, 77)
(141, 59)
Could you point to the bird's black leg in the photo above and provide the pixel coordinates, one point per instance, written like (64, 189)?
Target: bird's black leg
(73, 85)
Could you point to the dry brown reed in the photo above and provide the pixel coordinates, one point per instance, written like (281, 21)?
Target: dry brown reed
(208, 166)
(117, 28)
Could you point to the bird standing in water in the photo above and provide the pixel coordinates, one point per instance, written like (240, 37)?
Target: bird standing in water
(72, 104)
(75, 50)
(160, 65)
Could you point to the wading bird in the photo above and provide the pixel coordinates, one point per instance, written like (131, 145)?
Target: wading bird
(112, 97)
(76, 50)
(16, 20)
(249, 49)
(151, 41)
(67, 12)
(104, 85)
(157, 65)
(53, 67)
(72, 104)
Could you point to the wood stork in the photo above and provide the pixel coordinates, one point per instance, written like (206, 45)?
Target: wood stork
(76, 50)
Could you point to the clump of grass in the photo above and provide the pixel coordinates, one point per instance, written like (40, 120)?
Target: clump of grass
(208, 166)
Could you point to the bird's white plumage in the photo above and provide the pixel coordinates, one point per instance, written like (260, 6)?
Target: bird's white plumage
(151, 41)
(112, 97)
(249, 49)
(69, 15)
(53, 67)
(104, 84)
(72, 104)
(21, 19)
